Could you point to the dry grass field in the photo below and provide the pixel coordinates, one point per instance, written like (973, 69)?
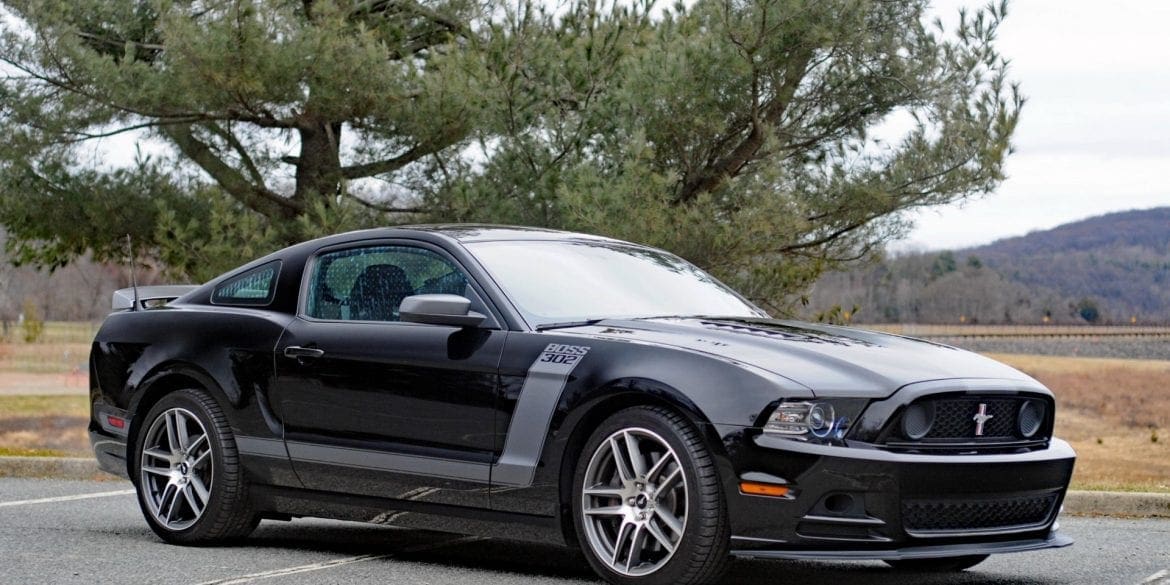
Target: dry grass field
(56, 364)
(1115, 412)
(44, 425)
(43, 392)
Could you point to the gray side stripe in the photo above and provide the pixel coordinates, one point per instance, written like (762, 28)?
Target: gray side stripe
(395, 462)
(530, 421)
(261, 447)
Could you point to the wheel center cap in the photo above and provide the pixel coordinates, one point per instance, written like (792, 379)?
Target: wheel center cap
(640, 501)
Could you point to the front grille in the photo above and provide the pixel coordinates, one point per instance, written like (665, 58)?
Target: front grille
(955, 419)
(953, 423)
(937, 517)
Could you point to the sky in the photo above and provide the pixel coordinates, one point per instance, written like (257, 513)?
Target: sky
(1094, 136)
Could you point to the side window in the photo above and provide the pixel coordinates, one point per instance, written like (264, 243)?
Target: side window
(255, 287)
(368, 284)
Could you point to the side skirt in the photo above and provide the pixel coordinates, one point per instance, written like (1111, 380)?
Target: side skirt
(407, 514)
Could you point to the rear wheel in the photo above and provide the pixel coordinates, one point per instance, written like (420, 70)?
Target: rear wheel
(190, 486)
(943, 565)
(648, 507)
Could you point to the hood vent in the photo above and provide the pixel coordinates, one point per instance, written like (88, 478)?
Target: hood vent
(774, 332)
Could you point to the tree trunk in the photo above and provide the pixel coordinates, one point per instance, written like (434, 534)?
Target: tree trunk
(319, 165)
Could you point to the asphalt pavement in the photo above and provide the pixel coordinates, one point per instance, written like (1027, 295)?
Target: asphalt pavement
(56, 531)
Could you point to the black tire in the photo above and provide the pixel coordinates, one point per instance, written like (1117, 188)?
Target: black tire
(943, 565)
(192, 491)
(699, 554)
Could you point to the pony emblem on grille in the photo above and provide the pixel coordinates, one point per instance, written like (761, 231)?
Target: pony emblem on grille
(981, 419)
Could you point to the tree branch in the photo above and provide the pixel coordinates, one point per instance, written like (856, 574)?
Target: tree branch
(257, 197)
(82, 136)
(120, 43)
(390, 165)
(711, 176)
(387, 208)
(237, 146)
(373, 6)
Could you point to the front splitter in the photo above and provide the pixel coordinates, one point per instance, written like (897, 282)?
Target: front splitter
(1054, 540)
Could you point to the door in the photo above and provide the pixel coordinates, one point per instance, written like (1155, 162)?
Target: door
(377, 406)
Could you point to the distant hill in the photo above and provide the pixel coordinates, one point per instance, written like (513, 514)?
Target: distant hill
(1109, 268)
(1120, 260)
(1141, 228)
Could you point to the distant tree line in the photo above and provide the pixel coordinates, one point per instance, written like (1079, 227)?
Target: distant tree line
(1115, 286)
(77, 292)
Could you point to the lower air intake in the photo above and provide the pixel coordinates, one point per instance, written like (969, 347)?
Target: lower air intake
(946, 517)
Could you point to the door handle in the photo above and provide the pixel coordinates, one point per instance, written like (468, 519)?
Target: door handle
(298, 352)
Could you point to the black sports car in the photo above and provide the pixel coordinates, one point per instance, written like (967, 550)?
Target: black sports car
(565, 388)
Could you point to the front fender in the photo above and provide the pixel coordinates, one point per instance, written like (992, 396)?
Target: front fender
(617, 374)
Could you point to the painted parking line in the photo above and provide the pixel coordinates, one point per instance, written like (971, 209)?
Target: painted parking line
(335, 563)
(1160, 578)
(293, 570)
(66, 498)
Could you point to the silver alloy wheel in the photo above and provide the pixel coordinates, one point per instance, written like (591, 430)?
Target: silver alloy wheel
(634, 502)
(177, 469)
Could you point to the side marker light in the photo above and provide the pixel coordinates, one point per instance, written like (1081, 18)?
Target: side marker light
(763, 489)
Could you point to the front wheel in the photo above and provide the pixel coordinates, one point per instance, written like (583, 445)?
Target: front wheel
(190, 485)
(648, 506)
(943, 565)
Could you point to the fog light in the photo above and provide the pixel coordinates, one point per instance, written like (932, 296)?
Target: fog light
(918, 420)
(1031, 418)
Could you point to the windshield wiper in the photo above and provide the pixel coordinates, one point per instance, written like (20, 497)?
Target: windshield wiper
(566, 324)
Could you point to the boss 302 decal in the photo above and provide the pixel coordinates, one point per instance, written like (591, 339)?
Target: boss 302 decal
(538, 399)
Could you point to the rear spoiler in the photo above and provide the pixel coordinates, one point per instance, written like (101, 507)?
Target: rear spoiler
(149, 296)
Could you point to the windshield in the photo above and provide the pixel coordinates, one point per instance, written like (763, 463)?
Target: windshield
(563, 281)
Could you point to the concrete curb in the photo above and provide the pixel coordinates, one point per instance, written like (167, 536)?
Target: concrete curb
(1122, 504)
(1076, 503)
(77, 468)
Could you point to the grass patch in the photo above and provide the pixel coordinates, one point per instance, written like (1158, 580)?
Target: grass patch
(62, 349)
(44, 358)
(21, 452)
(44, 426)
(59, 332)
(39, 406)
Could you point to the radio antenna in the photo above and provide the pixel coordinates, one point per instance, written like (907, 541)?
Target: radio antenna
(133, 279)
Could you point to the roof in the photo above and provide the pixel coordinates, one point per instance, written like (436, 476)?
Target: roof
(469, 232)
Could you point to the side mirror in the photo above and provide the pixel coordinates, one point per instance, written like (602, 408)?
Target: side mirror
(439, 310)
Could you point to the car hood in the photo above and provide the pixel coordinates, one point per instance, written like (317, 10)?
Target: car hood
(828, 360)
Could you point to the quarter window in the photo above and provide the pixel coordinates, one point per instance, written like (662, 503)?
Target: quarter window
(368, 284)
(255, 287)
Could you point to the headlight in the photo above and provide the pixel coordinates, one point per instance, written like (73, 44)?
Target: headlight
(821, 421)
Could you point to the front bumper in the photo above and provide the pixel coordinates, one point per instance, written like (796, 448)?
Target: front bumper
(866, 503)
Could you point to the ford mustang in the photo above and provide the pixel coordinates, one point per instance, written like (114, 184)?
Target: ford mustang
(567, 388)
